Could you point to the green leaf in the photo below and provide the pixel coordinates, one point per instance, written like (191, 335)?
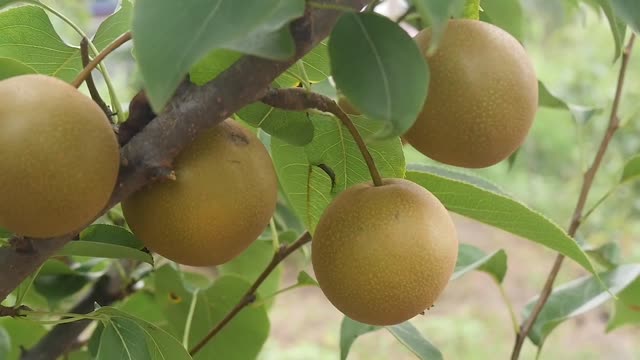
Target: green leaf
(308, 187)
(350, 330)
(4, 234)
(249, 328)
(627, 307)
(618, 35)
(114, 26)
(250, 264)
(28, 37)
(578, 297)
(273, 40)
(104, 250)
(159, 344)
(107, 241)
(22, 334)
(212, 65)
(631, 169)
(194, 29)
(411, 338)
(4, 3)
(57, 281)
(304, 279)
(457, 174)
(629, 11)
(294, 127)
(145, 306)
(5, 344)
(607, 254)
(472, 9)
(500, 211)
(471, 258)
(547, 99)
(506, 14)
(381, 84)
(11, 67)
(111, 234)
(315, 66)
(405, 333)
(437, 13)
(122, 338)
(276, 45)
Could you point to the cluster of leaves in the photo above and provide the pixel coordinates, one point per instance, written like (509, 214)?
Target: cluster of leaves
(172, 309)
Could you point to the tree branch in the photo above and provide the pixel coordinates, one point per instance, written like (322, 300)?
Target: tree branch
(250, 295)
(192, 110)
(93, 91)
(614, 123)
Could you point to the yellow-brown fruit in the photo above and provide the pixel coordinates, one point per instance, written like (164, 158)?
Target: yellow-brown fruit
(223, 197)
(384, 254)
(59, 157)
(482, 99)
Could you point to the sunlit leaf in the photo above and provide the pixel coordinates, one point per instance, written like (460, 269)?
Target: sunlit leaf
(28, 38)
(381, 84)
(500, 211)
(578, 297)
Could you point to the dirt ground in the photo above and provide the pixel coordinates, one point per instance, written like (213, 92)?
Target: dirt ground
(470, 320)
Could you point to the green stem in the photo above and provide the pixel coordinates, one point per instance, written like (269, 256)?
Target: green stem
(271, 296)
(103, 69)
(472, 9)
(275, 237)
(306, 83)
(512, 313)
(600, 201)
(187, 325)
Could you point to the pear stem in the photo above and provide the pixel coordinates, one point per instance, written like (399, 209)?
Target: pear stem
(84, 74)
(335, 109)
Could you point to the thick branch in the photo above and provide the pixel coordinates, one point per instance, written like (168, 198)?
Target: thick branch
(191, 110)
(589, 176)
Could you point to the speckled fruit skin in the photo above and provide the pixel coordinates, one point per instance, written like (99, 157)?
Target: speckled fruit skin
(223, 198)
(482, 99)
(384, 254)
(59, 157)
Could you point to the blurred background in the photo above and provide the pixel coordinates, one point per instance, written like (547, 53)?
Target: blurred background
(572, 48)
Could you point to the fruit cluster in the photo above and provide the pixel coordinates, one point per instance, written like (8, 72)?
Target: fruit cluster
(381, 254)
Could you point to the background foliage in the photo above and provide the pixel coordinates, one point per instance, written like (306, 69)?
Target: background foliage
(573, 44)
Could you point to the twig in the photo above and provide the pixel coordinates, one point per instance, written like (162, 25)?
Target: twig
(6, 311)
(297, 99)
(84, 74)
(614, 122)
(93, 91)
(250, 295)
(192, 110)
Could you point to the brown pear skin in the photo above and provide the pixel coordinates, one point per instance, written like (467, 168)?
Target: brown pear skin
(482, 98)
(59, 157)
(223, 197)
(383, 255)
